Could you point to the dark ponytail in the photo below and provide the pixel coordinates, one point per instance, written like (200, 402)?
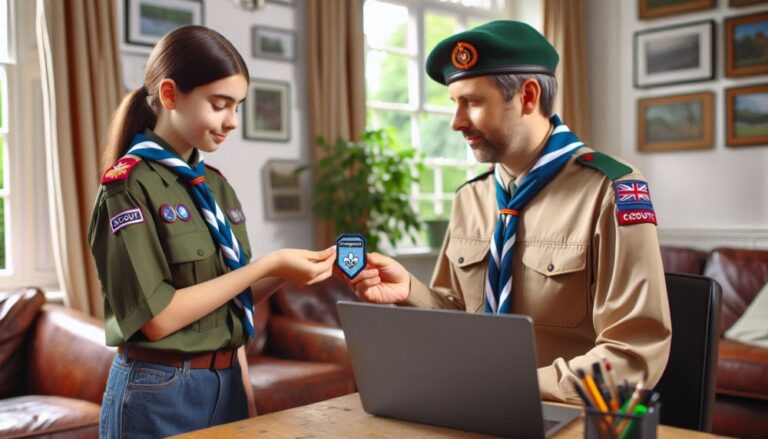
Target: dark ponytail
(132, 116)
(191, 56)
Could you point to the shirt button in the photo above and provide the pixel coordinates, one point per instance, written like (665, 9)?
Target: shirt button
(550, 267)
(200, 252)
(461, 259)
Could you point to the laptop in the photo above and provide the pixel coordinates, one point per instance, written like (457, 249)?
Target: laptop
(473, 372)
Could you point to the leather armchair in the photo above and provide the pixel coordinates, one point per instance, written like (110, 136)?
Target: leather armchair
(315, 303)
(741, 398)
(53, 368)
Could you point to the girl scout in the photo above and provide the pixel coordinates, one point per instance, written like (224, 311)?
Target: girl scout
(170, 244)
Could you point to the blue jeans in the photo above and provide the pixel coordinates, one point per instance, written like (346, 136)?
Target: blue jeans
(149, 400)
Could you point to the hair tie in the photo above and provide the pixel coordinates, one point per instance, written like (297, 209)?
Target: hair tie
(143, 90)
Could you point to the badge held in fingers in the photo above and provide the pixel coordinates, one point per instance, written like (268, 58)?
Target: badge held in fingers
(350, 254)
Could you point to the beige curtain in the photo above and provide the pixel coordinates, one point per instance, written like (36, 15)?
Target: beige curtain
(565, 28)
(336, 75)
(81, 88)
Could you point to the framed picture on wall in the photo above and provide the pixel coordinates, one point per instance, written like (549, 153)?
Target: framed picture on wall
(662, 8)
(267, 111)
(284, 190)
(674, 123)
(267, 42)
(746, 110)
(675, 54)
(746, 45)
(146, 21)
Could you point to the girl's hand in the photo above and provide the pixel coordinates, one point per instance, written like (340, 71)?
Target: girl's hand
(301, 267)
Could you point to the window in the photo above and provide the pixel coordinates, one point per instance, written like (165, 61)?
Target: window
(399, 35)
(25, 239)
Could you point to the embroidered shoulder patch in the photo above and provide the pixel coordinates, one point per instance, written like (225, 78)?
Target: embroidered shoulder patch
(236, 215)
(126, 218)
(120, 170)
(633, 203)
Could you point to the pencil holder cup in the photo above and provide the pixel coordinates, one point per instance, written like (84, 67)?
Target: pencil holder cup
(609, 425)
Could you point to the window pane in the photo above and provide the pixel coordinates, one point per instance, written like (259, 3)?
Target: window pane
(386, 25)
(436, 28)
(474, 22)
(427, 210)
(2, 161)
(427, 181)
(386, 77)
(398, 123)
(2, 234)
(438, 139)
(453, 177)
(3, 97)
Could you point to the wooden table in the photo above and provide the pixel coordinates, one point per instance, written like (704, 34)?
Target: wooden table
(344, 417)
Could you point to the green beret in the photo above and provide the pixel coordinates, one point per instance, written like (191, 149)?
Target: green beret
(495, 48)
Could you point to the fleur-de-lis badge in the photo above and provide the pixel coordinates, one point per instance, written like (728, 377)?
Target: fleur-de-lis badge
(351, 260)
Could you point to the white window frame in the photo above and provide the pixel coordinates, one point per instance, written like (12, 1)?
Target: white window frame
(417, 105)
(29, 258)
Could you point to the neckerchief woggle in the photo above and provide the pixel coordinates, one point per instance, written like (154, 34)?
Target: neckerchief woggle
(146, 148)
(561, 145)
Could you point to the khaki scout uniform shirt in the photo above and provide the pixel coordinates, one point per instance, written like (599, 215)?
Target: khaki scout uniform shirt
(142, 265)
(593, 288)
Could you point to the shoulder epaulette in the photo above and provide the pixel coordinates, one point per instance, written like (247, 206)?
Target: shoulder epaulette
(476, 178)
(216, 171)
(604, 163)
(121, 169)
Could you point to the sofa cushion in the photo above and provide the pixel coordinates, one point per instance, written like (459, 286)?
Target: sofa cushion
(741, 273)
(18, 310)
(741, 370)
(683, 260)
(35, 415)
(752, 326)
(281, 384)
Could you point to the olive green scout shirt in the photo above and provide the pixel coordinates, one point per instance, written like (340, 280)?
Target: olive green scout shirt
(143, 263)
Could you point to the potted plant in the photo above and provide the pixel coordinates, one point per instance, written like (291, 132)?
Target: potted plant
(363, 187)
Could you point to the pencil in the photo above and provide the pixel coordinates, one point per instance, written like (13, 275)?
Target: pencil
(594, 393)
(608, 375)
(633, 401)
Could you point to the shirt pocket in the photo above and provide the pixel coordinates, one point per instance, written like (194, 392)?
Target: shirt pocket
(192, 259)
(554, 284)
(469, 260)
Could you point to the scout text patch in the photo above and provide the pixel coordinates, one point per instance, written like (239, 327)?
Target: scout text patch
(126, 218)
(633, 203)
(120, 170)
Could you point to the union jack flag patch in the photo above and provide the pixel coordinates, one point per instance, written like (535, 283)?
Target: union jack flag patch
(633, 203)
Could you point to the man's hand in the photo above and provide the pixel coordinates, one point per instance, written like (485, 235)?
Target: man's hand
(382, 281)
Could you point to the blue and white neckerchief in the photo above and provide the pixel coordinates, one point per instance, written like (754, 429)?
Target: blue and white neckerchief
(146, 148)
(559, 148)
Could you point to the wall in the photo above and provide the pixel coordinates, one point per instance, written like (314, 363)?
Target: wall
(242, 161)
(702, 198)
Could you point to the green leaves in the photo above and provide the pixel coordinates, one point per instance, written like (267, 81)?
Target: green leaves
(363, 187)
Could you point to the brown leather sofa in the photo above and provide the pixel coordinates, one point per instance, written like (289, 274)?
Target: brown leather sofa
(741, 400)
(54, 366)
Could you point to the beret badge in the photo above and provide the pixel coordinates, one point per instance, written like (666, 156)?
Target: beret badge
(464, 56)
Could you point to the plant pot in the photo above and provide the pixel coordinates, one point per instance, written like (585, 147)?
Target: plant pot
(436, 232)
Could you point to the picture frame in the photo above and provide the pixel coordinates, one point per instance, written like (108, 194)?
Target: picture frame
(285, 194)
(674, 54)
(146, 21)
(273, 43)
(746, 53)
(746, 110)
(647, 9)
(267, 111)
(676, 122)
(133, 66)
